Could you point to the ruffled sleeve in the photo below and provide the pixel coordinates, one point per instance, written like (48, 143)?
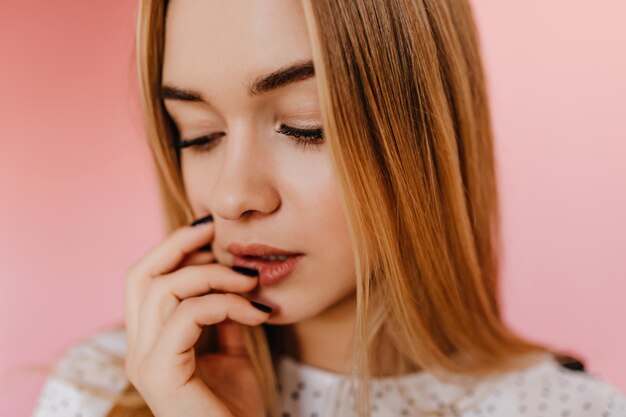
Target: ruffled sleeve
(87, 379)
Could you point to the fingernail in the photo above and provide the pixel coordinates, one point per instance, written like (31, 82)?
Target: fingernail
(262, 307)
(206, 247)
(202, 220)
(246, 271)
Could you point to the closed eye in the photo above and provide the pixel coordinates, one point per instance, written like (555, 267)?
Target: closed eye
(301, 137)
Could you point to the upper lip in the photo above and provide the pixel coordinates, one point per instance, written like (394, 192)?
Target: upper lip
(257, 249)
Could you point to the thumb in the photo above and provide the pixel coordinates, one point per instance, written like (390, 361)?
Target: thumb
(230, 338)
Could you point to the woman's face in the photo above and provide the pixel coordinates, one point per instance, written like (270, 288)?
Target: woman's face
(260, 185)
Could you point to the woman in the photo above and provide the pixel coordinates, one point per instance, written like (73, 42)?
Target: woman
(327, 172)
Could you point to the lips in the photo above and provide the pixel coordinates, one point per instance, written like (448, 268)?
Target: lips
(270, 272)
(257, 249)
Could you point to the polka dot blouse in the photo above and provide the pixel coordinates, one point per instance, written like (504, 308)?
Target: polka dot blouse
(546, 389)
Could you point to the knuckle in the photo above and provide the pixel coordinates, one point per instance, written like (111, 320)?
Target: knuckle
(231, 299)
(208, 286)
(222, 302)
(180, 253)
(199, 274)
(187, 305)
(131, 272)
(135, 272)
(158, 287)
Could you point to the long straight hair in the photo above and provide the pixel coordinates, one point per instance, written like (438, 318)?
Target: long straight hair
(406, 115)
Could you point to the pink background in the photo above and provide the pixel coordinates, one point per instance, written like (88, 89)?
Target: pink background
(79, 204)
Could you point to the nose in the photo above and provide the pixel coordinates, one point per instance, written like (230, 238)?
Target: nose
(245, 183)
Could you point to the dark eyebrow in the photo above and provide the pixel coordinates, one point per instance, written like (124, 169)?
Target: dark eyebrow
(298, 71)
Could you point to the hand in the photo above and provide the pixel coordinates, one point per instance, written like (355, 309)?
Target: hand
(166, 307)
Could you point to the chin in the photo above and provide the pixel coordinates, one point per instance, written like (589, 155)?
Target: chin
(288, 306)
(292, 309)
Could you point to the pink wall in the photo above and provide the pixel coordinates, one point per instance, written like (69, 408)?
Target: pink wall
(557, 82)
(78, 200)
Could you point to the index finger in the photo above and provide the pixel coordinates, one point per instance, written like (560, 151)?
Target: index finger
(165, 256)
(161, 259)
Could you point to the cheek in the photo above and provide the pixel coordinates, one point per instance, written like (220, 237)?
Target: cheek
(329, 275)
(332, 223)
(338, 244)
(198, 179)
(312, 197)
(328, 238)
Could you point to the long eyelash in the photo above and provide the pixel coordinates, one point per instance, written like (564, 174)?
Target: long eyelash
(313, 137)
(200, 143)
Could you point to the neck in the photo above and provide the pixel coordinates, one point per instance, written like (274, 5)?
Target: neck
(325, 341)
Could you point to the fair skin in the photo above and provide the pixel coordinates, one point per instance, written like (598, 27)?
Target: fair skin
(260, 186)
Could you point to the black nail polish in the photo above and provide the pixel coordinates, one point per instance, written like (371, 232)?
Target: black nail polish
(246, 271)
(262, 307)
(202, 220)
(208, 247)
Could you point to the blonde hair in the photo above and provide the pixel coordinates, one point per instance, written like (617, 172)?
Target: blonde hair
(406, 116)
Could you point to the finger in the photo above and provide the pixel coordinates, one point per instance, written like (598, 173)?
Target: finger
(230, 338)
(166, 292)
(162, 257)
(183, 328)
(198, 258)
(167, 255)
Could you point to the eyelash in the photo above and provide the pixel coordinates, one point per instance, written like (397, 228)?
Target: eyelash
(314, 137)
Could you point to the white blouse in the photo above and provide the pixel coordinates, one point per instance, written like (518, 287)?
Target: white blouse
(546, 389)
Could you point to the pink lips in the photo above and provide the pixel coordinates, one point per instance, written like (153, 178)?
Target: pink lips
(270, 272)
(257, 249)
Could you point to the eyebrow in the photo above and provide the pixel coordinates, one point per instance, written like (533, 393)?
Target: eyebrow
(297, 71)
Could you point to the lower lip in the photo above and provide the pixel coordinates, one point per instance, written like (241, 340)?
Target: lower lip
(270, 272)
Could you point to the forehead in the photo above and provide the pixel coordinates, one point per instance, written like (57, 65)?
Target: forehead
(224, 44)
